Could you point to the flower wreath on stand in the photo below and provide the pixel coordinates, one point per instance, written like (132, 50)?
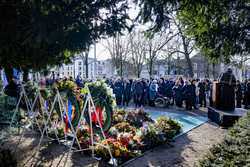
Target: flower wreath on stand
(104, 101)
(69, 94)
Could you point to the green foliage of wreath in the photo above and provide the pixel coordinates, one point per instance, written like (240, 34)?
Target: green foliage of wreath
(101, 93)
(103, 97)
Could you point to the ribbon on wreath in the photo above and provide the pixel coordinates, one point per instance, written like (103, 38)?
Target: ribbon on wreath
(98, 113)
(70, 116)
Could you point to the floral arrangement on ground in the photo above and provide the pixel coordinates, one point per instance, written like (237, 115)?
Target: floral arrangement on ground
(132, 133)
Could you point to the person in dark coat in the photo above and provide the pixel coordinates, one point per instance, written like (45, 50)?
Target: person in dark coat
(190, 95)
(161, 88)
(138, 93)
(202, 93)
(247, 95)
(169, 91)
(118, 91)
(177, 91)
(145, 92)
(127, 93)
(238, 94)
(79, 81)
(12, 89)
(193, 94)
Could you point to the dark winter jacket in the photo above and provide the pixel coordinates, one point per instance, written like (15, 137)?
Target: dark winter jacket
(118, 88)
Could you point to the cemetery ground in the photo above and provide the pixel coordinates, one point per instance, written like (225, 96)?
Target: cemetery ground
(184, 151)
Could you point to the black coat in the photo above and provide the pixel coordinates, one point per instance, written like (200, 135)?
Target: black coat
(118, 88)
(189, 92)
(139, 88)
(127, 90)
(178, 93)
(238, 92)
(202, 88)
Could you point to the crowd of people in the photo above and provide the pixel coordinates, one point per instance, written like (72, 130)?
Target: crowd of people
(189, 93)
(193, 93)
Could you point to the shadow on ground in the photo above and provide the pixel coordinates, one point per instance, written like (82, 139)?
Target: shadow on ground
(50, 154)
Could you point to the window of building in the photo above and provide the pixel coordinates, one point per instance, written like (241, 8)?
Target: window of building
(80, 73)
(80, 63)
(80, 68)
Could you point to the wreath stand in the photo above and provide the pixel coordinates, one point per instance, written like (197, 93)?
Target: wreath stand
(46, 118)
(88, 104)
(31, 114)
(31, 118)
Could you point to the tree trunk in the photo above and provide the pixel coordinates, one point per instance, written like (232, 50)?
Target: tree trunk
(213, 69)
(207, 71)
(189, 64)
(150, 68)
(121, 68)
(9, 73)
(187, 57)
(86, 65)
(138, 72)
(169, 66)
(25, 75)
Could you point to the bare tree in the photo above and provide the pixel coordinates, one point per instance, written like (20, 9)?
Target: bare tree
(85, 58)
(187, 45)
(239, 61)
(118, 48)
(138, 51)
(155, 44)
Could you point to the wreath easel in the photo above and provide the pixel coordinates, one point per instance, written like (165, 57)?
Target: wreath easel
(71, 120)
(90, 106)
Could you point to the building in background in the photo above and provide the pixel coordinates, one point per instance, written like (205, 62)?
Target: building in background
(202, 68)
(96, 68)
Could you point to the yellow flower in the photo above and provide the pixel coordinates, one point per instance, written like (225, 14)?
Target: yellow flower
(117, 153)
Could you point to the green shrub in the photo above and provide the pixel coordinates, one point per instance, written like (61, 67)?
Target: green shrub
(234, 150)
(7, 159)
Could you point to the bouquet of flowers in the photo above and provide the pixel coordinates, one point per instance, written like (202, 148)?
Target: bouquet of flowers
(65, 85)
(168, 127)
(118, 116)
(124, 127)
(151, 136)
(117, 149)
(138, 117)
(83, 136)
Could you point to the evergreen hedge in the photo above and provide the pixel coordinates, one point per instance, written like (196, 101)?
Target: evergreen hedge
(234, 150)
